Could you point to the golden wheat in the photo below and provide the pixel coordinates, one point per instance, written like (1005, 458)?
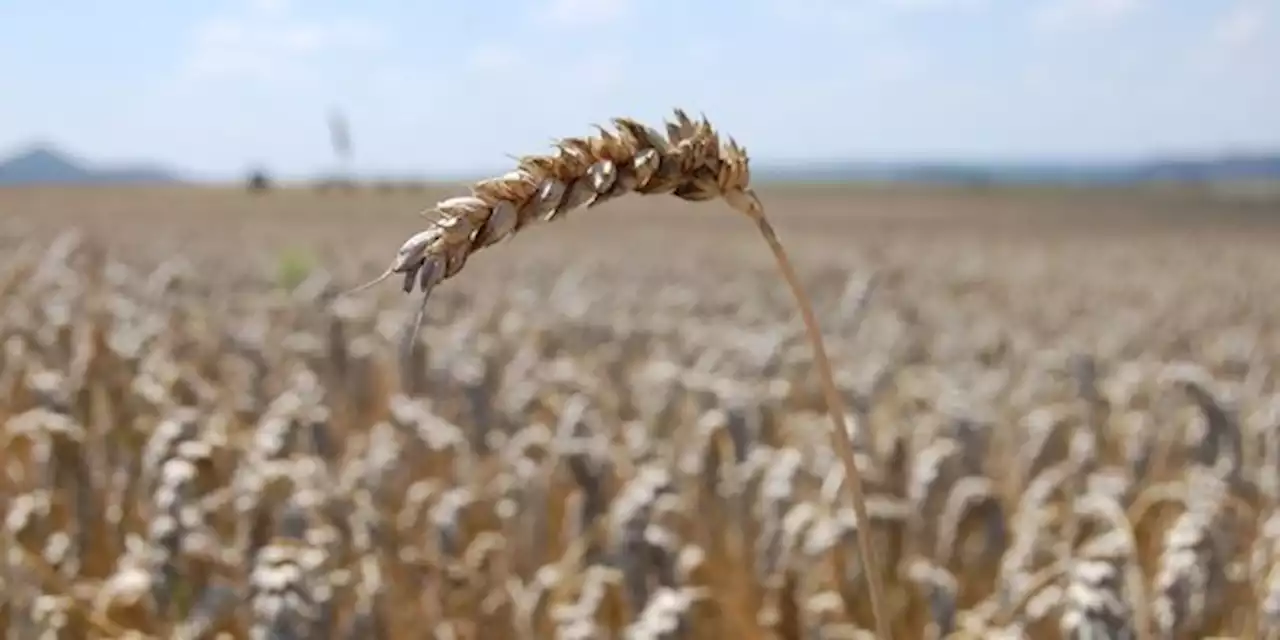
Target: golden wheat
(187, 453)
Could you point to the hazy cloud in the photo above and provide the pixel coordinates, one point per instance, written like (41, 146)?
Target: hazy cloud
(1084, 14)
(839, 15)
(584, 13)
(1244, 25)
(893, 62)
(268, 40)
(1242, 36)
(494, 58)
(936, 5)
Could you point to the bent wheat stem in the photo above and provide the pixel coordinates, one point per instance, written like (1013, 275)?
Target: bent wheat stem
(690, 163)
(835, 407)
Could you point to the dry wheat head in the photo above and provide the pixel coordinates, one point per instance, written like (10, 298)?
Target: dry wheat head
(689, 162)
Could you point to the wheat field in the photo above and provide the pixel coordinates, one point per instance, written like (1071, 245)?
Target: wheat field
(1063, 402)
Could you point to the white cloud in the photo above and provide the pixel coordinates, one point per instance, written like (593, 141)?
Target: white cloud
(585, 13)
(494, 58)
(272, 7)
(600, 72)
(839, 15)
(892, 63)
(269, 41)
(1240, 36)
(935, 5)
(847, 10)
(1243, 26)
(1084, 14)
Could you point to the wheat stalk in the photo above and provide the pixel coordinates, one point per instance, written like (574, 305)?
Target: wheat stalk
(689, 162)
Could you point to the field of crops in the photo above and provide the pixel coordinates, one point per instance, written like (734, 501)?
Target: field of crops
(1066, 407)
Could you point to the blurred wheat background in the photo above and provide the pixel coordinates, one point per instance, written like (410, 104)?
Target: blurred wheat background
(618, 430)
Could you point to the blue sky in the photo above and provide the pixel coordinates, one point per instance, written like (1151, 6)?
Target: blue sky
(452, 87)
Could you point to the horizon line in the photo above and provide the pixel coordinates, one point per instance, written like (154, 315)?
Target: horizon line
(1047, 161)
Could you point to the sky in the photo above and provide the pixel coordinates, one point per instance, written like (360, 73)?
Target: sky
(433, 87)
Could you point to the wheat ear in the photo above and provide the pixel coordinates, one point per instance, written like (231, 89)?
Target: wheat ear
(689, 162)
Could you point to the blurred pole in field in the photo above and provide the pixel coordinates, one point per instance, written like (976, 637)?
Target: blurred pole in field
(340, 139)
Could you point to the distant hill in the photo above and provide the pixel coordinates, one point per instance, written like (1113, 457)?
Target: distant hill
(1231, 168)
(42, 164)
(1259, 167)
